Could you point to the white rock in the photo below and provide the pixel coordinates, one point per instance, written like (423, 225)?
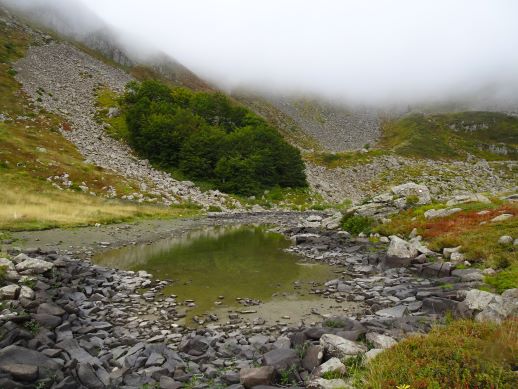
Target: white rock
(20, 258)
(6, 263)
(470, 198)
(371, 354)
(456, 257)
(419, 246)
(34, 266)
(9, 292)
(321, 383)
(401, 248)
(336, 346)
(505, 239)
(331, 366)
(488, 271)
(502, 217)
(479, 300)
(448, 251)
(412, 189)
(380, 341)
(27, 293)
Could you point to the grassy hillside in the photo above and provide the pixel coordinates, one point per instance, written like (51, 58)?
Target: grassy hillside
(42, 175)
(447, 137)
(489, 135)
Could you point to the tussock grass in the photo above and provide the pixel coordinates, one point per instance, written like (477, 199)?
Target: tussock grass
(464, 354)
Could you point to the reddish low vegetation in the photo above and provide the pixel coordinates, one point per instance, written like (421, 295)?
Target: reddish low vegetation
(463, 221)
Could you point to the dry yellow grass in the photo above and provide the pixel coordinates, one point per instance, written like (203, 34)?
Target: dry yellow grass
(22, 209)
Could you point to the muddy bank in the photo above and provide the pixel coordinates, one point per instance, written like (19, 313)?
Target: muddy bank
(86, 241)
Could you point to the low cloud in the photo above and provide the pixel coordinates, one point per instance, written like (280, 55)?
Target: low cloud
(368, 51)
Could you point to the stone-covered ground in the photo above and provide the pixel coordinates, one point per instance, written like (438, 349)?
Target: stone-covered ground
(67, 323)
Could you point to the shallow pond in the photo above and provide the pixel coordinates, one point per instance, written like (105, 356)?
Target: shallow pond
(233, 262)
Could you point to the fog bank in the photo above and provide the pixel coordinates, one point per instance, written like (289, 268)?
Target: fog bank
(368, 51)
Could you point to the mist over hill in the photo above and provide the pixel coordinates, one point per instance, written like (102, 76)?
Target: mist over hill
(371, 53)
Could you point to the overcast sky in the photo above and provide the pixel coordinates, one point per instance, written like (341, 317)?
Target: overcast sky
(364, 50)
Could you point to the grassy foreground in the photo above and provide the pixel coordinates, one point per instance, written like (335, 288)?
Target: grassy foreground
(464, 354)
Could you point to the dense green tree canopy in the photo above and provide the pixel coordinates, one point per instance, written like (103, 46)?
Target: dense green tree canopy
(209, 138)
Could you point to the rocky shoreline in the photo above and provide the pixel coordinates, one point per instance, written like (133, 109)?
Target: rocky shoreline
(67, 323)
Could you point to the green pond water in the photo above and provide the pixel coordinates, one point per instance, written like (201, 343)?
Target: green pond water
(234, 262)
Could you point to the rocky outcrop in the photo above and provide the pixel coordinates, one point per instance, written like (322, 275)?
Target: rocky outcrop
(364, 180)
(399, 198)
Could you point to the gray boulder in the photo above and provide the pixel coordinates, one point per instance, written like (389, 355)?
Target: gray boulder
(380, 341)
(9, 292)
(313, 357)
(400, 248)
(252, 377)
(435, 213)
(336, 346)
(281, 358)
(412, 189)
(23, 356)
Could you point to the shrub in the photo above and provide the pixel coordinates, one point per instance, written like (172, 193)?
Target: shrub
(214, 208)
(464, 354)
(356, 224)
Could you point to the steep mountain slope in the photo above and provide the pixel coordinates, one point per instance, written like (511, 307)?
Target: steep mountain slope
(77, 24)
(44, 180)
(63, 80)
(316, 124)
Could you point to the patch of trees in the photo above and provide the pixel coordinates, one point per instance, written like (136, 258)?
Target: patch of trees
(209, 138)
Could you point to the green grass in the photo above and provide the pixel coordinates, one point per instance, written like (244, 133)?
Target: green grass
(452, 135)
(117, 127)
(505, 279)
(344, 159)
(464, 354)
